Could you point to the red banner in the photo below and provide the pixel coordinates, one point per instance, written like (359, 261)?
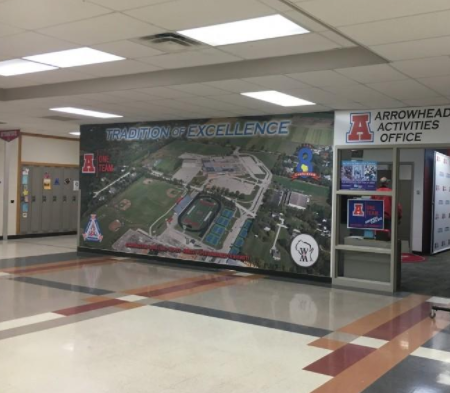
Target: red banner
(313, 175)
(9, 135)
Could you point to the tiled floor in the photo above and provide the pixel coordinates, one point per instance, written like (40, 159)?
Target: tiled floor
(99, 324)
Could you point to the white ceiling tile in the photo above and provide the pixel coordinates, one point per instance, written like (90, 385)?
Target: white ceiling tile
(246, 102)
(122, 5)
(127, 49)
(427, 101)
(37, 14)
(323, 78)
(276, 5)
(401, 29)
(164, 92)
(430, 47)
(199, 89)
(130, 95)
(422, 68)
(401, 90)
(9, 30)
(123, 67)
(351, 12)
(107, 28)
(277, 82)
(13, 82)
(305, 43)
(57, 76)
(339, 39)
(190, 59)
(372, 73)
(441, 84)
(185, 14)
(304, 21)
(386, 103)
(317, 95)
(209, 102)
(30, 43)
(234, 85)
(341, 106)
(357, 93)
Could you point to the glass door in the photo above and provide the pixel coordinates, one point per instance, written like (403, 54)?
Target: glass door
(365, 252)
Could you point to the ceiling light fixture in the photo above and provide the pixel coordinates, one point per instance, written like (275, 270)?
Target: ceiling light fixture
(256, 29)
(76, 133)
(20, 67)
(277, 98)
(85, 112)
(74, 57)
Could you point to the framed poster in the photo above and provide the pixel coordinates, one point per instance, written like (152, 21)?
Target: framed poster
(359, 175)
(365, 214)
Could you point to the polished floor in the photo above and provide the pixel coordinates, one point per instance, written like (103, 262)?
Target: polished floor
(90, 323)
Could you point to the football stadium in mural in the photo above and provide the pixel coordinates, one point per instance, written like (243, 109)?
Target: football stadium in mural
(237, 192)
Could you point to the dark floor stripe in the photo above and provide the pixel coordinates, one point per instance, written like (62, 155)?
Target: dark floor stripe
(251, 320)
(339, 360)
(185, 286)
(402, 323)
(61, 285)
(89, 307)
(39, 259)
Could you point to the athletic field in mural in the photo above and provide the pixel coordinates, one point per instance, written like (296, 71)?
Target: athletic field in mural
(231, 201)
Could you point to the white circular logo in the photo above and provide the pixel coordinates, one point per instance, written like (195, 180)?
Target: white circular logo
(304, 250)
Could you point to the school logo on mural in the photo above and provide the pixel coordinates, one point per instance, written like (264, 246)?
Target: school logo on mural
(304, 250)
(88, 163)
(92, 233)
(305, 166)
(360, 128)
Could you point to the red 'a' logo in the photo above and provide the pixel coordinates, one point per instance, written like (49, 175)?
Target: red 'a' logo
(358, 210)
(88, 164)
(359, 129)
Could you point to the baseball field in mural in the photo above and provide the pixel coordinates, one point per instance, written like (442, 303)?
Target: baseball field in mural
(252, 192)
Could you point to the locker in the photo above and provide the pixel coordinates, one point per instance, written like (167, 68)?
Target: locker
(46, 200)
(56, 200)
(36, 183)
(66, 199)
(25, 221)
(74, 201)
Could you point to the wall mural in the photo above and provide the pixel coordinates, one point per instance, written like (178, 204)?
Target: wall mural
(252, 191)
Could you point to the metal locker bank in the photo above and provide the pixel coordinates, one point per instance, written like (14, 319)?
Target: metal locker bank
(48, 199)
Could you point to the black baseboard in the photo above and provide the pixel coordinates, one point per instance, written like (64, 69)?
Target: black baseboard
(33, 235)
(206, 265)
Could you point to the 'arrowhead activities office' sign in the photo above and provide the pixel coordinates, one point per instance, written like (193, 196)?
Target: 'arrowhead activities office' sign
(393, 126)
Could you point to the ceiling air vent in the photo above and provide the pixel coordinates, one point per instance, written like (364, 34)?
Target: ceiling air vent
(167, 42)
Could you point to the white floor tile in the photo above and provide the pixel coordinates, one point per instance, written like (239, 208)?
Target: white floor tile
(132, 298)
(433, 354)
(369, 342)
(28, 320)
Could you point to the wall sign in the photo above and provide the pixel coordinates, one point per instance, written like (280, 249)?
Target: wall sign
(213, 190)
(393, 126)
(359, 175)
(365, 214)
(9, 135)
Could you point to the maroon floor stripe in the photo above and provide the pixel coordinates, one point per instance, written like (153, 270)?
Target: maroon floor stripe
(189, 285)
(339, 360)
(89, 307)
(400, 324)
(60, 266)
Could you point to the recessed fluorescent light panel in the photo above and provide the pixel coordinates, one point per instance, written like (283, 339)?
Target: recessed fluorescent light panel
(85, 112)
(76, 133)
(20, 67)
(74, 57)
(263, 28)
(277, 98)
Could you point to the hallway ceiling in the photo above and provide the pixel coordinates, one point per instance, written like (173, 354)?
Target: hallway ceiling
(358, 54)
